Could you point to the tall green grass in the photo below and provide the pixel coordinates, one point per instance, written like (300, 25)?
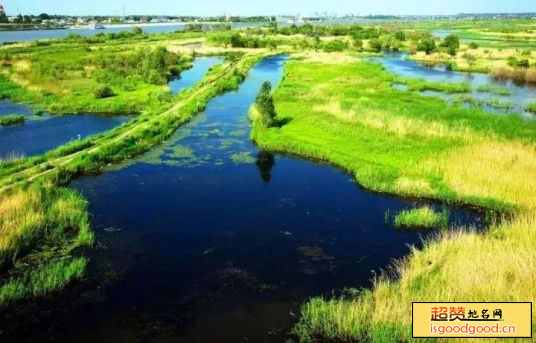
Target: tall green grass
(421, 218)
(43, 280)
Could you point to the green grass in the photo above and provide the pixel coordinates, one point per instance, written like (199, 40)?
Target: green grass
(499, 104)
(43, 281)
(531, 107)
(41, 226)
(406, 144)
(11, 120)
(444, 87)
(489, 88)
(421, 218)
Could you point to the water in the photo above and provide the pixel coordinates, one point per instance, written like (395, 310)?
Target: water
(208, 239)
(40, 134)
(521, 94)
(191, 76)
(29, 35)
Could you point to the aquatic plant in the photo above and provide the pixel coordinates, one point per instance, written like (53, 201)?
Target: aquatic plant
(421, 218)
(11, 120)
(531, 107)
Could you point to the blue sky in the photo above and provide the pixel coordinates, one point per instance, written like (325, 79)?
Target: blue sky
(253, 7)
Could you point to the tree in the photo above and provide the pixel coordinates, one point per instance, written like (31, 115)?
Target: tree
(137, 30)
(426, 45)
(44, 16)
(473, 45)
(451, 41)
(265, 106)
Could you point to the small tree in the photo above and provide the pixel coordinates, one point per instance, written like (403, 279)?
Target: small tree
(265, 106)
(137, 30)
(473, 45)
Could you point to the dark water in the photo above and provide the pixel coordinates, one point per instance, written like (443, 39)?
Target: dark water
(208, 239)
(29, 35)
(40, 134)
(521, 94)
(191, 76)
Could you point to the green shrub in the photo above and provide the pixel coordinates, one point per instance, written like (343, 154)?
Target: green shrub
(103, 92)
(335, 45)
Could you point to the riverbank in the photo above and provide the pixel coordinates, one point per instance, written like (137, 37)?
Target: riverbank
(406, 144)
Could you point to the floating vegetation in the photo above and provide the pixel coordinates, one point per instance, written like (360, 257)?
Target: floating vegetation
(243, 158)
(489, 88)
(499, 104)
(422, 218)
(531, 107)
(11, 120)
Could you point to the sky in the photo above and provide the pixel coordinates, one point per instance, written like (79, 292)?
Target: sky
(266, 7)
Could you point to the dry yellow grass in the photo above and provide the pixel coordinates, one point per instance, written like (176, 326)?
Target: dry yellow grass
(20, 213)
(500, 170)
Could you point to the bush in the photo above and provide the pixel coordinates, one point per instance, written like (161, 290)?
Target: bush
(336, 45)
(400, 35)
(375, 45)
(473, 45)
(103, 92)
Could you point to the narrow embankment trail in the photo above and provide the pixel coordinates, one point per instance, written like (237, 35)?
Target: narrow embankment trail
(47, 167)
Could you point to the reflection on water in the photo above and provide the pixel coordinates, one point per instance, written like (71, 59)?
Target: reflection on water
(520, 95)
(265, 163)
(217, 241)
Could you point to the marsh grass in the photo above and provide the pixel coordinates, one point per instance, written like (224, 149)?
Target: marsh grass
(489, 88)
(531, 107)
(11, 120)
(407, 144)
(43, 280)
(499, 104)
(33, 218)
(421, 218)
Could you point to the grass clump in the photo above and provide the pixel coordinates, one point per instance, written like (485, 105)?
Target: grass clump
(531, 107)
(489, 88)
(33, 219)
(421, 218)
(44, 280)
(499, 104)
(11, 120)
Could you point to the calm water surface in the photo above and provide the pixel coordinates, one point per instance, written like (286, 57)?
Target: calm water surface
(521, 94)
(29, 35)
(208, 239)
(191, 76)
(40, 134)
